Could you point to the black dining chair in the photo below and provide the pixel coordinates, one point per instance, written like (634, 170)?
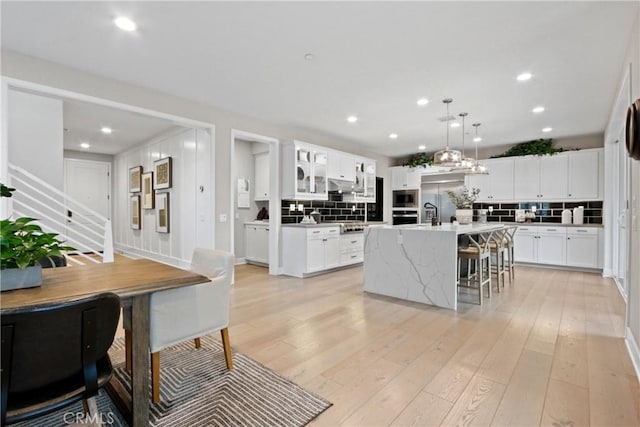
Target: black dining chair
(54, 355)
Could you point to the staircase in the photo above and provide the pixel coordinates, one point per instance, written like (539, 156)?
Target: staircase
(80, 227)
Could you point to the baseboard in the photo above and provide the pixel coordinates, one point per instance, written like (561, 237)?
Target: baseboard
(241, 260)
(607, 272)
(559, 267)
(137, 253)
(620, 290)
(634, 352)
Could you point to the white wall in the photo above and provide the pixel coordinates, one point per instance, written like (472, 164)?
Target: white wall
(244, 168)
(84, 155)
(35, 134)
(50, 74)
(189, 208)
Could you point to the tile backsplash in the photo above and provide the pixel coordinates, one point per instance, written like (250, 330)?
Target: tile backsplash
(330, 210)
(545, 211)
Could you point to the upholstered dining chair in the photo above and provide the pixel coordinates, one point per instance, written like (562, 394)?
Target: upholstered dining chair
(54, 355)
(182, 314)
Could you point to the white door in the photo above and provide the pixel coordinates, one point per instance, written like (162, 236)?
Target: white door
(622, 213)
(332, 251)
(315, 254)
(582, 250)
(501, 177)
(583, 175)
(525, 247)
(552, 248)
(89, 183)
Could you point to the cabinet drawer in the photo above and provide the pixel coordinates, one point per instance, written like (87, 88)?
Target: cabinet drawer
(351, 242)
(322, 232)
(579, 231)
(551, 230)
(351, 257)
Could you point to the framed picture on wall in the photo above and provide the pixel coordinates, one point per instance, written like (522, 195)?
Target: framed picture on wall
(162, 173)
(136, 221)
(135, 174)
(162, 212)
(147, 191)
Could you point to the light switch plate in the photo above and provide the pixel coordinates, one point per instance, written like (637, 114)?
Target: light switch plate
(223, 217)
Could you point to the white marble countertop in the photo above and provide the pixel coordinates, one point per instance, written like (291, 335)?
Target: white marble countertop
(472, 228)
(257, 222)
(552, 224)
(312, 225)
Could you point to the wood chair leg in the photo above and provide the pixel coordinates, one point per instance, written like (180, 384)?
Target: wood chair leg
(155, 377)
(226, 344)
(196, 341)
(127, 350)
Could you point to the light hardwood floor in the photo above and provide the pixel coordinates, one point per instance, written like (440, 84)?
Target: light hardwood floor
(548, 350)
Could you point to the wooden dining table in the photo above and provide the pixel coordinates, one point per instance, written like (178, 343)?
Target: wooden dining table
(133, 281)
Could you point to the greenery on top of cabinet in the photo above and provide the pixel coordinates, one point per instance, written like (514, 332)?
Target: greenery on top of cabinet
(538, 147)
(419, 159)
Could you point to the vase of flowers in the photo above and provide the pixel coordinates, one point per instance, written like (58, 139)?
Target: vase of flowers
(463, 201)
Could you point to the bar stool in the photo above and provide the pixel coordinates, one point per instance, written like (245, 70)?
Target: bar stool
(479, 254)
(498, 248)
(509, 234)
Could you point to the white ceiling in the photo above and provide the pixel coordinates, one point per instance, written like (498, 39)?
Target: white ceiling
(372, 59)
(83, 123)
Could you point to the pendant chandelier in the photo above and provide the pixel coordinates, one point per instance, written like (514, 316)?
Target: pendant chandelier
(477, 168)
(447, 157)
(466, 163)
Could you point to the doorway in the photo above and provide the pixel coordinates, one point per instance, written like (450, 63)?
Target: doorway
(255, 207)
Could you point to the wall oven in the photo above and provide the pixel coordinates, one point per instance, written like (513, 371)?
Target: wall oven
(406, 199)
(400, 217)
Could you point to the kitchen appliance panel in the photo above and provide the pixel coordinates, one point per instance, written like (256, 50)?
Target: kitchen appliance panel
(403, 217)
(407, 199)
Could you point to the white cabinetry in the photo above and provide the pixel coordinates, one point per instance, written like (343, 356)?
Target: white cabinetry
(497, 185)
(584, 174)
(261, 185)
(404, 178)
(341, 166)
(582, 247)
(541, 244)
(557, 245)
(257, 243)
(304, 175)
(365, 182)
(570, 175)
(310, 250)
(351, 248)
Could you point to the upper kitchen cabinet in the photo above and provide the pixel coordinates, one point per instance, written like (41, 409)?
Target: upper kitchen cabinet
(498, 184)
(304, 175)
(585, 174)
(341, 166)
(261, 187)
(364, 189)
(570, 175)
(405, 178)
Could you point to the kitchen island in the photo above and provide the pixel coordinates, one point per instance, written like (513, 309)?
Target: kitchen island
(416, 262)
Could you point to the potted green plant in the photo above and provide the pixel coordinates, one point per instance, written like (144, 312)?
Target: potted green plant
(463, 199)
(23, 245)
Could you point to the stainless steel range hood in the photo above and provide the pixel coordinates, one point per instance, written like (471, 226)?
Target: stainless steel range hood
(344, 186)
(442, 178)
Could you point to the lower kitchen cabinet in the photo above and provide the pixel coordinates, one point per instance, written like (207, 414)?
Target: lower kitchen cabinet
(582, 247)
(557, 245)
(310, 250)
(351, 248)
(257, 243)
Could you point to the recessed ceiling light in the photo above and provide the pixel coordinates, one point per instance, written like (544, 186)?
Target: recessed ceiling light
(106, 130)
(393, 135)
(524, 77)
(309, 56)
(477, 139)
(422, 102)
(85, 145)
(125, 23)
(455, 125)
(352, 119)
(547, 129)
(538, 109)
(422, 147)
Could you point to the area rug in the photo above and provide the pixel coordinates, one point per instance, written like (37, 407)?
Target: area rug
(198, 390)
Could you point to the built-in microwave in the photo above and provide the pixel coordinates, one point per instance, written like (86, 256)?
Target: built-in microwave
(406, 199)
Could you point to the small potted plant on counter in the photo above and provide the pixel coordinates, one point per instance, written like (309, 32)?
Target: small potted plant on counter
(463, 200)
(24, 245)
